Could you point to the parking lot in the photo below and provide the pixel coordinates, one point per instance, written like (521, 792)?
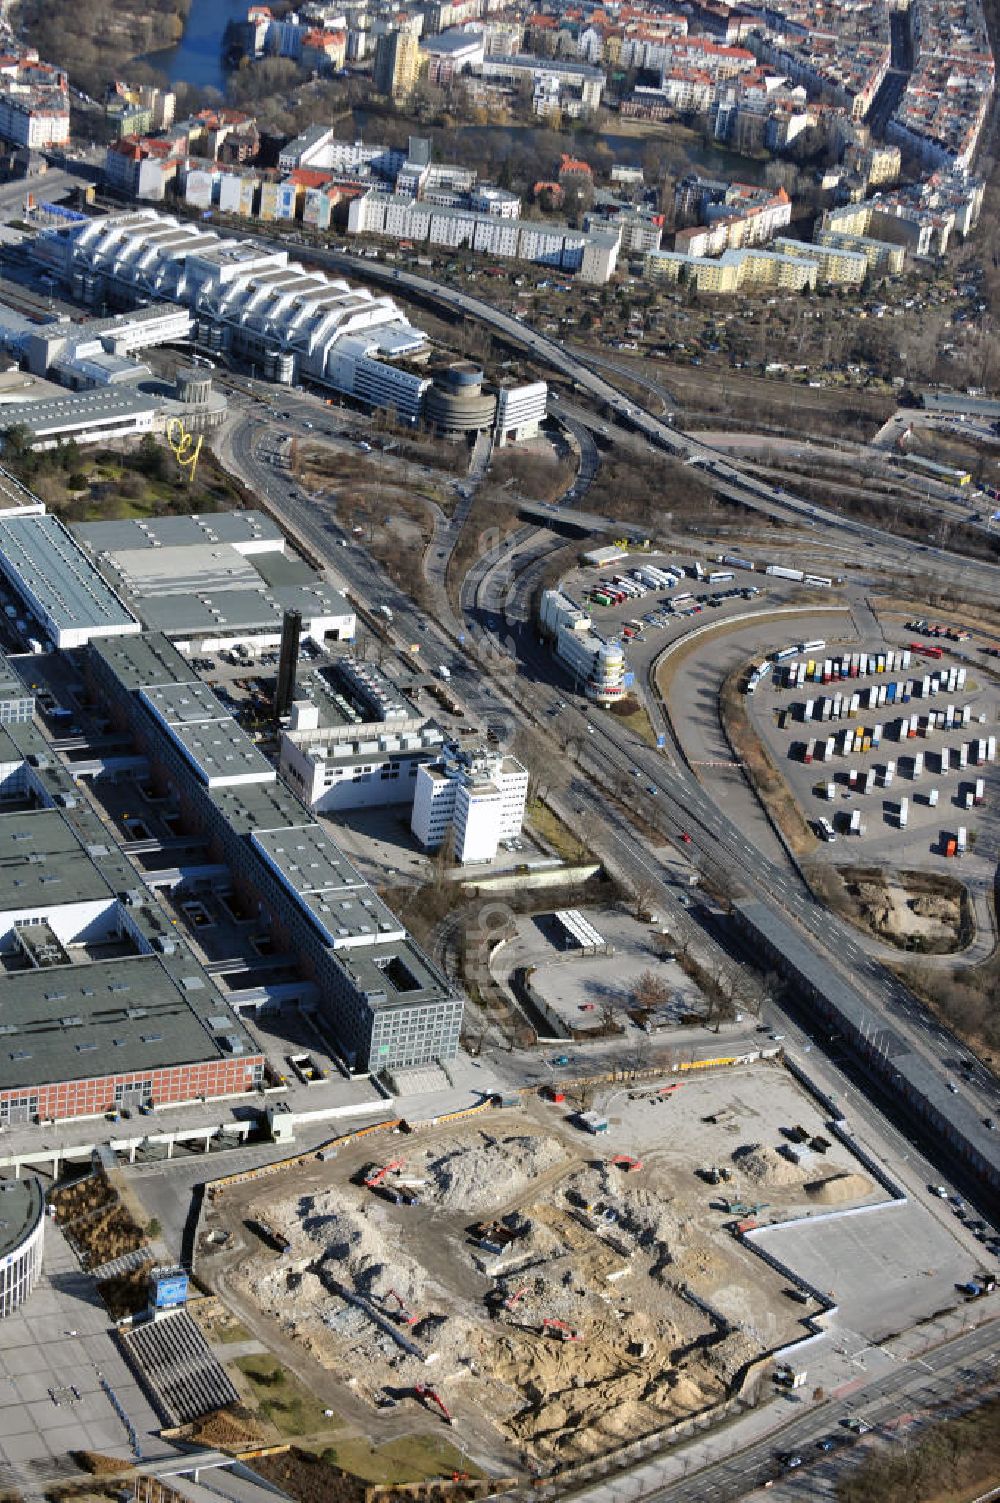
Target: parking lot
(902, 778)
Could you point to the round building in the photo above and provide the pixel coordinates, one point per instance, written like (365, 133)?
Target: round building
(456, 404)
(22, 1229)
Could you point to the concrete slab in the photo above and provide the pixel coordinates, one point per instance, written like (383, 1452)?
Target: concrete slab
(887, 1268)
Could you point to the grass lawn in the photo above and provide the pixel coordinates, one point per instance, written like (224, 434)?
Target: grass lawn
(410, 1458)
(552, 830)
(282, 1400)
(638, 722)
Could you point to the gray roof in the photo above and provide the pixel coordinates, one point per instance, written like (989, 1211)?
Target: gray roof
(174, 532)
(217, 748)
(48, 567)
(143, 1013)
(78, 409)
(374, 968)
(22, 1204)
(208, 574)
(339, 901)
(11, 686)
(143, 661)
(42, 863)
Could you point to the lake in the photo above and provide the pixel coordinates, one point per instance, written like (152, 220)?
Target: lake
(197, 57)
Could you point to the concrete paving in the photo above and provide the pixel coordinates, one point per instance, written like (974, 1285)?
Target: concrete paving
(56, 1343)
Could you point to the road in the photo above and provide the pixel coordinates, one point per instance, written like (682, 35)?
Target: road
(495, 611)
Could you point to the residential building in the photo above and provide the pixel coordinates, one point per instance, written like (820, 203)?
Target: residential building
(469, 801)
(34, 101)
(397, 64)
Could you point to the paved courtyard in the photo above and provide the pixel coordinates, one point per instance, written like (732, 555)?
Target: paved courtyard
(54, 1352)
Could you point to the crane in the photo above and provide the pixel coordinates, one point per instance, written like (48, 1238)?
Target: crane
(429, 1396)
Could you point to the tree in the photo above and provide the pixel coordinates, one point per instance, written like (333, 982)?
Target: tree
(650, 991)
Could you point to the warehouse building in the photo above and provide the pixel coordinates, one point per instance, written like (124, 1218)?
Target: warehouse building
(382, 1001)
(102, 1004)
(58, 585)
(216, 581)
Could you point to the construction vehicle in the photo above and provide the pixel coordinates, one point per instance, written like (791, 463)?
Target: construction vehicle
(512, 1300)
(429, 1396)
(377, 1174)
(406, 1317)
(559, 1328)
(789, 1377)
(626, 1163)
(743, 1208)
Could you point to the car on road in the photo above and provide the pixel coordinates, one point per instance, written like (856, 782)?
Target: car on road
(790, 1460)
(940, 1191)
(685, 837)
(651, 789)
(561, 1060)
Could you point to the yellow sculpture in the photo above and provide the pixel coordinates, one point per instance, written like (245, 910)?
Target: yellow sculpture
(184, 446)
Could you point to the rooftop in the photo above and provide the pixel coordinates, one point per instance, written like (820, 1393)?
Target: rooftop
(22, 1204)
(43, 559)
(147, 1012)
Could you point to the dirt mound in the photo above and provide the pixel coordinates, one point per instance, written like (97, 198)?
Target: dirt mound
(765, 1166)
(838, 1189)
(483, 1171)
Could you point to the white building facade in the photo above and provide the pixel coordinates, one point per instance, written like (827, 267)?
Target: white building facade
(474, 799)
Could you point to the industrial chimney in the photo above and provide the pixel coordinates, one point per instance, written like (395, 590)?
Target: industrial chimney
(288, 662)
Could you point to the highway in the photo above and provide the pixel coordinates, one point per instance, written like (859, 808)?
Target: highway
(772, 500)
(495, 600)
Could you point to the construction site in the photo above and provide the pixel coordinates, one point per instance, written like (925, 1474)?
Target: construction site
(558, 1281)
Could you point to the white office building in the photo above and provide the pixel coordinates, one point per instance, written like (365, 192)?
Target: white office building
(520, 412)
(354, 740)
(474, 799)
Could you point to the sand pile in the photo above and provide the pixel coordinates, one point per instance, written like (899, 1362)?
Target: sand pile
(839, 1188)
(482, 1172)
(766, 1167)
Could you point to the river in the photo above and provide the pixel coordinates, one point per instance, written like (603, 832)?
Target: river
(197, 57)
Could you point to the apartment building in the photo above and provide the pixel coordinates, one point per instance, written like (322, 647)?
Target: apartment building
(471, 800)
(397, 64)
(836, 265)
(733, 271)
(34, 101)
